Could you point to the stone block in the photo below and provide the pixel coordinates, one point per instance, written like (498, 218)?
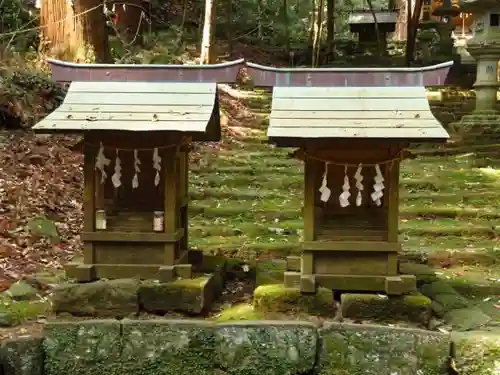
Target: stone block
(477, 352)
(444, 297)
(167, 347)
(104, 298)
(467, 319)
(348, 349)
(415, 308)
(276, 298)
(269, 272)
(187, 295)
(86, 347)
(266, 347)
(22, 356)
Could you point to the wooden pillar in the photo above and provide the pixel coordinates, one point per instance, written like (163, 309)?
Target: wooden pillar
(89, 207)
(393, 212)
(171, 202)
(183, 193)
(307, 283)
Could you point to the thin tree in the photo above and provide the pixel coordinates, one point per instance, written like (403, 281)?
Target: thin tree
(317, 34)
(207, 48)
(91, 37)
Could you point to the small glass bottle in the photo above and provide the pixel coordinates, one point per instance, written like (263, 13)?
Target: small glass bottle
(158, 217)
(100, 220)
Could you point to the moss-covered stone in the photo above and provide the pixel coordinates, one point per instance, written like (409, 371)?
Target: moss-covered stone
(415, 308)
(266, 348)
(269, 272)
(477, 352)
(278, 298)
(242, 311)
(444, 297)
(86, 348)
(423, 273)
(21, 291)
(467, 319)
(104, 298)
(349, 349)
(167, 347)
(22, 356)
(13, 313)
(188, 295)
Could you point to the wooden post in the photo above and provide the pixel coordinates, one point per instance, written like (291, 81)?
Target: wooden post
(183, 193)
(170, 206)
(393, 213)
(307, 259)
(89, 177)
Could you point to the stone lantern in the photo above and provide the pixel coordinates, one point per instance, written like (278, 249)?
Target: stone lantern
(484, 47)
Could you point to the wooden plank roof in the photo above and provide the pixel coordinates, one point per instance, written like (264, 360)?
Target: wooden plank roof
(353, 112)
(137, 106)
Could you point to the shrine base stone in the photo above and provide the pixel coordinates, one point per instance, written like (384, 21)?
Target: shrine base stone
(374, 350)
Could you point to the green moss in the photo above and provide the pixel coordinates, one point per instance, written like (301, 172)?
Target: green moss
(444, 297)
(86, 347)
(278, 298)
(477, 352)
(163, 347)
(266, 348)
(415, 308)
(187, 295)
(269, 272)
(23, 356)
(17, 312)
(424, 273)
(104, 298)
(242, 311)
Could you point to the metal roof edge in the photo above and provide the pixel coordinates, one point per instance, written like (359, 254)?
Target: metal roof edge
(142, 66)
(343, 70)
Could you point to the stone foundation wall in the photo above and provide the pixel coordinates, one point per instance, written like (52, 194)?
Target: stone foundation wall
(452, 108)
(191, 347)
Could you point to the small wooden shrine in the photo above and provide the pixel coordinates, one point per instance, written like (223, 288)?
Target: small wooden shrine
(352, 141)
(136, 139)
(363, 23)
(137, 124)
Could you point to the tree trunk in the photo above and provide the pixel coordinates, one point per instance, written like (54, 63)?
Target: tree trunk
(312, 23)
(412, 32)
(317, 34)
(229, 27)
(207, 48)
(91, 37)
(130, 22)
(287, 26)
(330, 29)
(381, 49)
(56, 23)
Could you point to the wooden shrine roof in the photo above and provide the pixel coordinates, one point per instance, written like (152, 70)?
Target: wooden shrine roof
(399, 113)
(137, 106)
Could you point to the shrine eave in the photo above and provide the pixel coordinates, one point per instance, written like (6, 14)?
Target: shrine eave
(266, 76)
(222, 73)
(190, 108)
(390, 113)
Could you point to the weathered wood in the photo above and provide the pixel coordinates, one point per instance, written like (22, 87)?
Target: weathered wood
(170, 204)
(371, 246)
(88, 202)
(106, 236)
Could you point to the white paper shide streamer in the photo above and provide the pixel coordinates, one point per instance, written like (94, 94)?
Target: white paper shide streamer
(359, 185)
(324, 189)
(157, 166)
(101, 161)
(378, 187)
(137, 170)
(344, 196)
(117, 176)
